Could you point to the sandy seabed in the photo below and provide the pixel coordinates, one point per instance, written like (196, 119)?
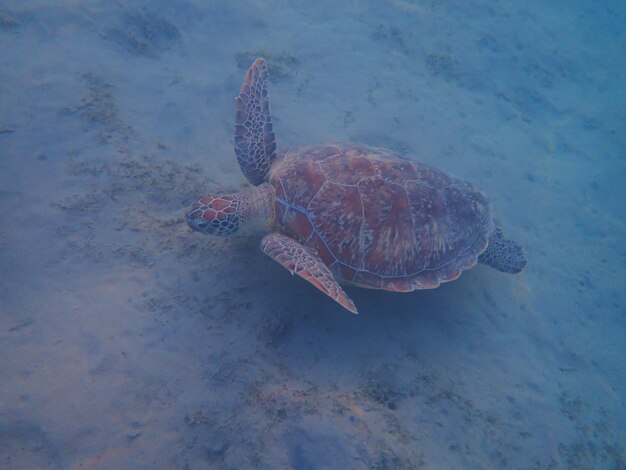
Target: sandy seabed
(127, 341)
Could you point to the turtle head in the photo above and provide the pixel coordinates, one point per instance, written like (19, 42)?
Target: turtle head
(224, 214)
(215, 215)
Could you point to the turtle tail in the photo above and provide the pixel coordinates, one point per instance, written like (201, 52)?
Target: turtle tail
(502, 254)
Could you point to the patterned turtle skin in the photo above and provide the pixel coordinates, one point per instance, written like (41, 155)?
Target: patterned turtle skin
(349, 213)
(378, 220)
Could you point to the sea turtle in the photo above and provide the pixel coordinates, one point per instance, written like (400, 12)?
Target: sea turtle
(350, 213)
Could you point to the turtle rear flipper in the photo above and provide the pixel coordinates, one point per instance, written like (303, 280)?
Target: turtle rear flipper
(503, 254)
(255, 144)
(304, 262)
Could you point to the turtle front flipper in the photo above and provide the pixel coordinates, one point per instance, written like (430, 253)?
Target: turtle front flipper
(255, 144)
(305, 262)
(503, 254)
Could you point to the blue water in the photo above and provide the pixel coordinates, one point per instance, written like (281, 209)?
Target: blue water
(127, 341)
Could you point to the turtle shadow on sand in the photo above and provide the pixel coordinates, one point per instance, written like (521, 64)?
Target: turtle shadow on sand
(296, 328)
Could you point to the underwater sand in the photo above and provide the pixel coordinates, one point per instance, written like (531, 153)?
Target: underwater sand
(127, 341)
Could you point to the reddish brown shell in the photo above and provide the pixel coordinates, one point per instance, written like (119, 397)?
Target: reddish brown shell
(378, 220)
